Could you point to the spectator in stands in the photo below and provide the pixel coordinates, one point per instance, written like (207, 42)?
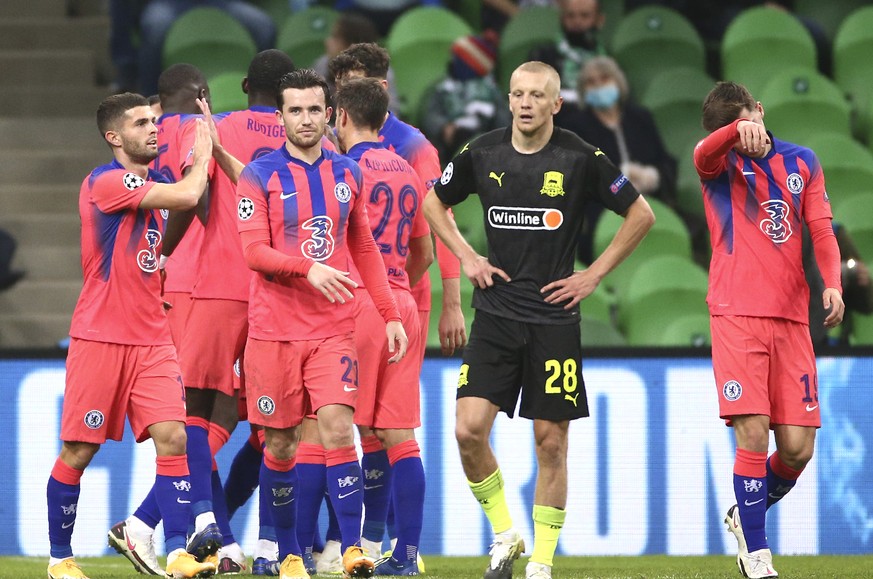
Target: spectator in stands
(383, 13)
(496, 13)
(857, 288)
(467, 101)
(581, 22)
(625, 131)
(352, 28)
(152, 19)
(8, 276)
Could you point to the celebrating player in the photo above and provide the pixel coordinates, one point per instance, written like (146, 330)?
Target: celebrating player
(758, 192)
(534, 211)
(301, 218)
(122, 362)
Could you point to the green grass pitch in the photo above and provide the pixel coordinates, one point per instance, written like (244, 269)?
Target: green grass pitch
(643, 567)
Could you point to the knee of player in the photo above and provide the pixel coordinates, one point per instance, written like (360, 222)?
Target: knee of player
(796, 457)
(552, 450)
(470, 435)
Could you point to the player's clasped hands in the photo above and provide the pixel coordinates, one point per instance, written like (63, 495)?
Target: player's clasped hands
(336, 285)
(575, 288)
(480, 272)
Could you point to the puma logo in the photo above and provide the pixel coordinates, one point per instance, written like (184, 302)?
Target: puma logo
(572, 399)
(496, 177)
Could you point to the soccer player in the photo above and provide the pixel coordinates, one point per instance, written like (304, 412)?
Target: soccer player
(301, 217)
(388, 394)
(179, 87)
(371, 60)
(533, 180)
(122, 362)
(758, 192)
(218, 321)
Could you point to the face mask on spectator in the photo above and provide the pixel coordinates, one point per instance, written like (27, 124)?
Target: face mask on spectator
(602, 97)
(586, 39)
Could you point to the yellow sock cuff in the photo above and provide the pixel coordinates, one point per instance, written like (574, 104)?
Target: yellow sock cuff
(490, 495)
(547, 528)
(550, 516)
(491, 485)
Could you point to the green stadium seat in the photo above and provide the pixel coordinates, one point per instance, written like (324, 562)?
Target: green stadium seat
(528, 29)
(597, 333)
(599, 305)
(675, 97)
(853, 47)
(614, 11)
(302, 34)
(669, 236)
(800, 103)
(856, 215)
(226, 92)
(420, 46)
(829, 14)
(661, 290)
(688, 193)
(278, 10)
(760, 42)
(862, 330)
(211, 40)
(847, 166)
(654, 38)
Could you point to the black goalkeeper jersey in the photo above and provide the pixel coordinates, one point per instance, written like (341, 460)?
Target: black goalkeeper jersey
(533, 206)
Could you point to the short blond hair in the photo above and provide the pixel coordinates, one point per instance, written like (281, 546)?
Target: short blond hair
(536, 66)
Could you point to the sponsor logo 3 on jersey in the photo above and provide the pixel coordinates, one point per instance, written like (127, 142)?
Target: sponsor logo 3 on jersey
(553, 184)
(777, 227)
(525, 218)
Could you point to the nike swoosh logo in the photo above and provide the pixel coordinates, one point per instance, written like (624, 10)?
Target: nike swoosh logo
(349, 389)
(342, 496)
(275, 504)
(367, 488)
(748, 172)
(284, 195)
(811, 408)
(183, 502)
(750, 503)
(68, 525)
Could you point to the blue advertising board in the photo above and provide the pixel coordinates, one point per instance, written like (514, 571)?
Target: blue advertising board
(650, 471)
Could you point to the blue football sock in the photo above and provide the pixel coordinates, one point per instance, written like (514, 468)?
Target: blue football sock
(310, 491)
(63, 502)
(750, 490)
(333, 529)
(200, 465)
(408, 499)
(279, 479)
(242, 480)
(377, 493)
(148, 511)
(778, 486)
(266, 530)
(346, 492)
(219, 507)
(172, 490)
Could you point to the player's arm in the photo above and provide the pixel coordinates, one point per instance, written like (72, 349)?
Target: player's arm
(638, 219)
(231, 166)
(827, 257)
(185, 193)
(476, 267)
(451, 328)
(420, 257)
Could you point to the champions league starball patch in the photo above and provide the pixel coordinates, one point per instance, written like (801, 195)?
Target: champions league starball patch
(132, 181)
(447, 174)
(245, 209)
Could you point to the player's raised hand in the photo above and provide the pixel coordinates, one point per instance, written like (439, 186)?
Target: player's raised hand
(202, 150)
(832, 300)
(397, 341)
(753, 138)
(203, 104)
(575, 288)
(480, 271)
(336, 285)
